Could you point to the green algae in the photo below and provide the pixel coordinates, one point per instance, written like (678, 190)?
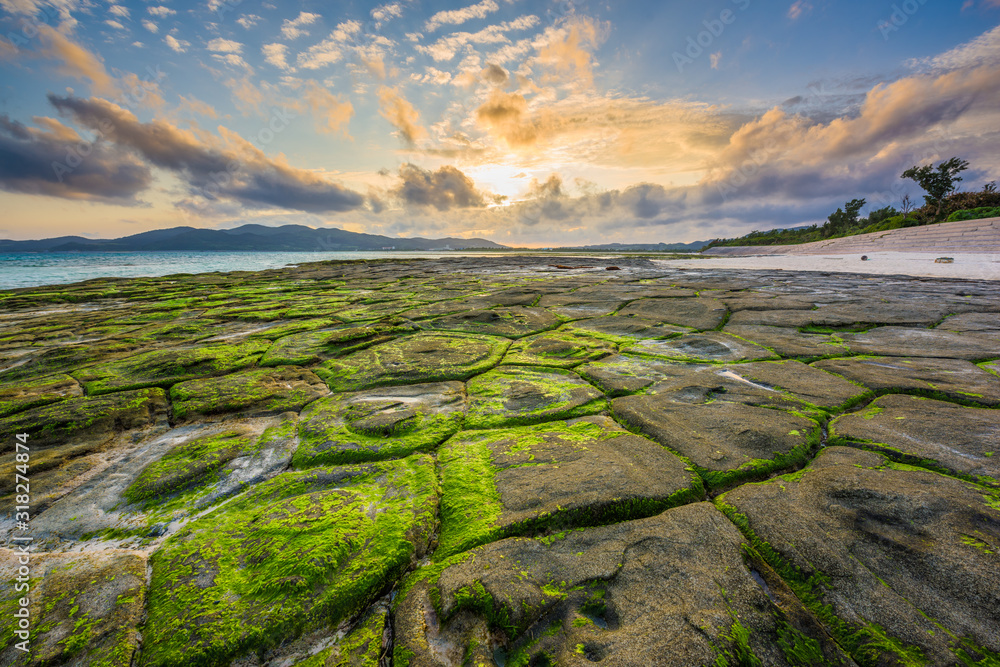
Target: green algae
(558, 349)
(297, 551)
(513, 395)
(257, 392)
(162, 368)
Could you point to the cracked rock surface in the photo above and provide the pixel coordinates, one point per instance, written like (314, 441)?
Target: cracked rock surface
(496, 461)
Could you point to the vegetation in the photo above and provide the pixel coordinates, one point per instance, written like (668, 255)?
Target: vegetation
(942, 204)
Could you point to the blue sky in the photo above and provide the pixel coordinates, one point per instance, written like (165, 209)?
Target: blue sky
(530, 123)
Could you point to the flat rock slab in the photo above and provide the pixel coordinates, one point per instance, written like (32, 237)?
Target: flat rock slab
(304, 546)
(726, 442)
(673, 589)
(932, 433)
(254, 393)
(705, 347)
(875, 312)
(162, 368)
(85, 608)
(576, 307)
(624, 330)
(513, 395)
(388, 422)
(789, 341)
(310, 347)
(948, 377)
(565, 474)
(907, 560)
(937, 343)
(91, 420)
(627, 374)
(697, 313)
(513, 322)
(33, 393)
(422, 357)
(558, 349)
(972, 322)
(804, 383)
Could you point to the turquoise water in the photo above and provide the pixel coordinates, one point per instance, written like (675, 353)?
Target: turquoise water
(32, 269)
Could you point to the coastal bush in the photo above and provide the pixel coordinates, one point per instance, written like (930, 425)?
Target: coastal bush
(975, 214)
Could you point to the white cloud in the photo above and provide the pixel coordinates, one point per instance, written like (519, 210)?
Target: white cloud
(248, 20)
(161, 11)
(232, 59)
(331, 49)
(448, 46)
(276, 54)
(459, 16)
(714, 59)
(178, 45)
(115, 24)
(387, 12)
(220, 45)
(138, 45)
(118, 10)
(150, 26)
(798, 9)
(983, 50)
(292, 28)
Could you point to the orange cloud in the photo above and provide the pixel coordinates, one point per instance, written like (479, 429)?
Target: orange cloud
(398, 111)
(331, 113)
(75, 60)
(569, 52)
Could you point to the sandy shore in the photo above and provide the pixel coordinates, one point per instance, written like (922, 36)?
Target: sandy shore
(922, 264)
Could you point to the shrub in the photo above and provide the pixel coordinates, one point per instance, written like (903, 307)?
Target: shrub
(975, 213)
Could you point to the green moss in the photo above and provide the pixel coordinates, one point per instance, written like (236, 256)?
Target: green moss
(260, 392)
(512, 395)
(300, 550)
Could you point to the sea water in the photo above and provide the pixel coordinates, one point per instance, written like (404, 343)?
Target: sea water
(30, 269)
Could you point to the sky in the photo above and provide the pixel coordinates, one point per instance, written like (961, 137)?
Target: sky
(536, 124)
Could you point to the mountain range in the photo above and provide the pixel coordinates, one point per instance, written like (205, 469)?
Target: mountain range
(244, 238)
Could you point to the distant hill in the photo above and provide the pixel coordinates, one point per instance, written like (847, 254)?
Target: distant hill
(643, 247)
(244, 238)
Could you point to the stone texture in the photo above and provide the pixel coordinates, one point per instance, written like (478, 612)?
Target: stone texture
(705, 347)
(948, 377)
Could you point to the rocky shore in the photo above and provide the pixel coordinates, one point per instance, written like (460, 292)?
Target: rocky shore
(502, 461)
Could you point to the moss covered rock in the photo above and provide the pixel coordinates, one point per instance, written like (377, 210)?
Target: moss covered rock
(625, 330)
(310, 347)
(27, 394)
(512, 322)
(558, 349)
(551, 477)
(250, 393)
(511, 395)
(377, 424)
(789, 341)
(301, 549)
(162, 368)
(951, 378)
(704, 347)
(422, 357)
(901, 564)
(697, 313)
(674, 589)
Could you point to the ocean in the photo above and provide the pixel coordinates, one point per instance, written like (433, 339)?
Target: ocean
(27, 269)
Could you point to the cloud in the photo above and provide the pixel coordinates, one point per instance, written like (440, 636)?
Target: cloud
(292, 28)
(569, 50)
(330, 50)
(459, 16)
(178, 45)
(506, 117)
(715, 59)
(248, 21)
(387, 12)
(150, 26)
(118, 10)
(799, 9)
(332, 114)
(75, 60)
(115, 24)
(374, 64)
(448, 46)
(495, 75)
(196, 107)
(232, 168)
(57, 162)
(444, 189)
(161, 11)
(398, 111)
(220, 45)
(983, 50)
(276, 54)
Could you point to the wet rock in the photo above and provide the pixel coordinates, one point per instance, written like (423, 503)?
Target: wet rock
(390, 422)
(512, 322)
(85, 608)
(162, 368)
(624, 330)
(726, 442)
(323, 542)
(807, 384)
(705, 347)
(864, 314)
(788, 341)
(901, 564)
(423, 357)
(572, 306)
(303, 349)
(698, 313)
(33, 393)
(250, 393)
(559, 349)
(627, 374)
(674, 588)
(511, 395)
(948, 377)
(911, 429)
(972, 322)
(937, 343)
(551, 477)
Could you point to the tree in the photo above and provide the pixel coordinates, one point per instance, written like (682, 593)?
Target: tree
(937, 183)
(843, 219)
(906, 204)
